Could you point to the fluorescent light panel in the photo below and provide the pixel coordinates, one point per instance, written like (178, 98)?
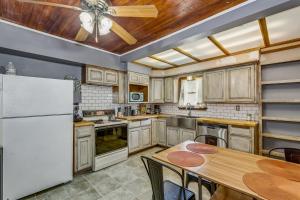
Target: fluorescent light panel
(173, 56)
(284, 26)
(153, 63)
(202, 49)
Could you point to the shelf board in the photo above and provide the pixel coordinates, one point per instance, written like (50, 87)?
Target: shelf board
(292, 101)
(280, 82)
(283, 119)
(282, 137)
(274, 153)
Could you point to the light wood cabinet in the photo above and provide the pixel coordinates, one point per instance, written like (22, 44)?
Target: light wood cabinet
(111, 77)
(214, 86)
(99, 76)
(159, 132)
(119, 90)
(146, 136)
(242, 139)
(157, 90)
(186, 134)
(169, 90)
(241, 84)
(134, 139)
(236, 84)
(173, 136)
(84, 140)
(138, 79)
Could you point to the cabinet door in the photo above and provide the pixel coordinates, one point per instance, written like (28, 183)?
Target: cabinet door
(94, 75)
(241, 84)
(240, 143)
(157, 88)
(161, 132)
(144, 79)
(146, 136)
(187, 135)
(133, 78)
(111, 77)
(84, 153)
(134, 142)
(214, 86)
(154, 130)
(169, 90)
(173, 136)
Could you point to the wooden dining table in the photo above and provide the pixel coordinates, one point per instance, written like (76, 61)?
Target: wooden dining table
(226, 167)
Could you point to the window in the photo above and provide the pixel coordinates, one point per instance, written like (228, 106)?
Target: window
(191, 92)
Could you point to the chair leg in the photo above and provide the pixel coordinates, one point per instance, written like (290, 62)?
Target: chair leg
(187, 181)
(200, 188)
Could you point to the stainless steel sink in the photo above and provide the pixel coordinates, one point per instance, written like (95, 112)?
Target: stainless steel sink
(182, 122)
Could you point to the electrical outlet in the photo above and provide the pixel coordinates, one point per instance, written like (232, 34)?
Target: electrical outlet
(237, 107)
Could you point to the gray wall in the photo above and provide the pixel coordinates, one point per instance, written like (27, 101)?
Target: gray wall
(27, 66)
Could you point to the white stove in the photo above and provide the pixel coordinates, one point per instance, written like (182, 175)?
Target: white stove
(111, 144)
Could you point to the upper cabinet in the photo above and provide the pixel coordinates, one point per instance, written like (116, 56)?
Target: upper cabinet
(157, 90)
(236, 84)
(99, 76)
(241, 84)
(138, 79)
(214, 86)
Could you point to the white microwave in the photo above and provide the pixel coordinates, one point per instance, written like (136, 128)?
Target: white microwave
(136, 97)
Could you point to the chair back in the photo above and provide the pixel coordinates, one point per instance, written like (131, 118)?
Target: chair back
(212, 140)
(155, 173)
(291, 154)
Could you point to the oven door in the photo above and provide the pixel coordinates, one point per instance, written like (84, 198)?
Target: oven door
(110, 138)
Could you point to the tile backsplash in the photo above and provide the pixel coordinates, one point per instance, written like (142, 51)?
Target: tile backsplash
(227, 111)
(101, 98)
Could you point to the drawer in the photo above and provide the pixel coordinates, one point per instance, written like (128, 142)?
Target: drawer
(240, 131)
(84, 131)
(134, 124)
(146, 122)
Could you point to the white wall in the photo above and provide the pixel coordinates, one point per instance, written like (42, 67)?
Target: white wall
(226, 111)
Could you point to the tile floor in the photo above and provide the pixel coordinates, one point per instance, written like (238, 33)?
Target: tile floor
(127, 180)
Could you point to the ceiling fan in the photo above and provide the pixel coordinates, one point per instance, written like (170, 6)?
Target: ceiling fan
(94, 17)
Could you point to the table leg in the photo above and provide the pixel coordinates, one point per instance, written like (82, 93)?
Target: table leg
(200, 188)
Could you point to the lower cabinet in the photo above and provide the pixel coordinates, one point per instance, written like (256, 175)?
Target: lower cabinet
(177, 135)
(84, 148)
(159, 135)
(173, 136)
(242, 139)
(139, 138)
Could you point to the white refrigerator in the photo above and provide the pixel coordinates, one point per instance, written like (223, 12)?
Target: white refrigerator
(36, 132)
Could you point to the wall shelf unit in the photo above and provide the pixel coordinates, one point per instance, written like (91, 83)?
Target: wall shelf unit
(280, 107)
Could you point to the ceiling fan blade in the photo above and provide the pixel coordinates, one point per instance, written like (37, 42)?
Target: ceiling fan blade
(82, 35)
(134, 11)
(50, 4)
(122, 33)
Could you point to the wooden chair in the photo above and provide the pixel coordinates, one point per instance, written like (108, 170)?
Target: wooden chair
(165, 190)
(210, 186)
(290, 154)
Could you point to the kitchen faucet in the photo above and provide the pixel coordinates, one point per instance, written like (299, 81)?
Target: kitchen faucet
(189, 107)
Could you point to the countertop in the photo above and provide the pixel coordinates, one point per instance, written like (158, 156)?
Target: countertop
(228, 121)
(200, 119)
(83, 123)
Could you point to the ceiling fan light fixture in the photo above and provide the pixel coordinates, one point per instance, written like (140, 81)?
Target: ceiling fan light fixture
(105, 25)
(87, 21)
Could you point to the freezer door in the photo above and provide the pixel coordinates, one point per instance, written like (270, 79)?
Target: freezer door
(37, 154)
(29, 96)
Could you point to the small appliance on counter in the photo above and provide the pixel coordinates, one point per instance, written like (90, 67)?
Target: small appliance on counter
(143, 109)
(127, 110)
(77, 115)
(157, 109)
(135, 112)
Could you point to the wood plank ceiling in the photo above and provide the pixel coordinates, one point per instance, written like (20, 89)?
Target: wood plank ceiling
(173, 16)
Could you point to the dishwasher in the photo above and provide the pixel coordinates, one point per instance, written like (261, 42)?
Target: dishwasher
(215, 130)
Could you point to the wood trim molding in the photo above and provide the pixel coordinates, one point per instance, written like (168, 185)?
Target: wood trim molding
(163, 60)
(264, 31)
(281, 46)
(186, 54)
(219, 45)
